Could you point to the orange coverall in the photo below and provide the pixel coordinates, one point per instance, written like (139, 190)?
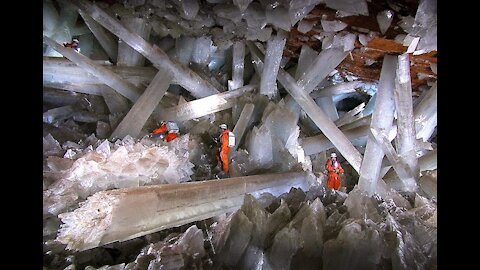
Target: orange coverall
(334, 181)
(222, 154)
(170, 136)
(161, 129)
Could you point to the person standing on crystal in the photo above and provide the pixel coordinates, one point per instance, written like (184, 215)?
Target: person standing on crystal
(227, 140)
(74, 45)
(334, 170)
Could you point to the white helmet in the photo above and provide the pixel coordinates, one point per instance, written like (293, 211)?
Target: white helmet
(75, 40)
(333, 155)
(223, 126)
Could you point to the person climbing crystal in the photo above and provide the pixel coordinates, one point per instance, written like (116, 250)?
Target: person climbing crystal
(227, 140)
(334, 170)
(74, 45)
(167, 131)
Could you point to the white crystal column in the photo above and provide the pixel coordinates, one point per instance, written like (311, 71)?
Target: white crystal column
(406, 135)
(242, 123)
(273, 56)
(105, 38)
(237, 65)
(184, 76)
(123, 214)
(425, 114)
(126, 55)
(111, 79)
(305, 60)
(341, 142)
(201, 107)
(382, 118)
(133, 122)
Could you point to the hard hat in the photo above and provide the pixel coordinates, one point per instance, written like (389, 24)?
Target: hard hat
(223, 126)
(75, 40)
(333, 155)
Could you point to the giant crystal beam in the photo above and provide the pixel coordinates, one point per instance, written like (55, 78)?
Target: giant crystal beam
(273, 56)
(126, 55)
(237, 65)
(406, 137)
(303, 99)
(111, 79)
(133, 122)
(327, 105)
(184, 76)
(204, 106)
(382, 118)
(105, 38)
(319, 143)
(337, 89)
(242, 123)
(123, 214)
(61, 70)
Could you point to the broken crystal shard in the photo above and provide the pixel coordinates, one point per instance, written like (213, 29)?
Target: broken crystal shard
(273, 56)
(105, 38)
(237, 65)
(344, 40)
(242, 4)
(58, 114)
(384, 20)
(428, 183)
(51, 147)
(110, 216)
(285, 244)
(406, 135)
(184, 76)
(242, 123)
(138, 115)
(355, 7)
(127, 56)
(305, 26)
(258, 216)
(238, 235)
(327, 105)
(333, 26)
(305, 60)
(360, 205)
(311, 231)
(382, 118)
(111, 79)
(201, 107)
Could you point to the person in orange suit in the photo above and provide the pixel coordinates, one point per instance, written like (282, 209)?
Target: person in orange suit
(161, 131)
(222, 153)
(171, 135)
(334, 170)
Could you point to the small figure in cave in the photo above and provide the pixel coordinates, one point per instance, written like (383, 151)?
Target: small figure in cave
(227, 140)
(167, 131)
(334, 170)
(74, 45)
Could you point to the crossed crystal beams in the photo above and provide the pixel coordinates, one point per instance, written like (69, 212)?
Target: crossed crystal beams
(304, 100)
(182, 75)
